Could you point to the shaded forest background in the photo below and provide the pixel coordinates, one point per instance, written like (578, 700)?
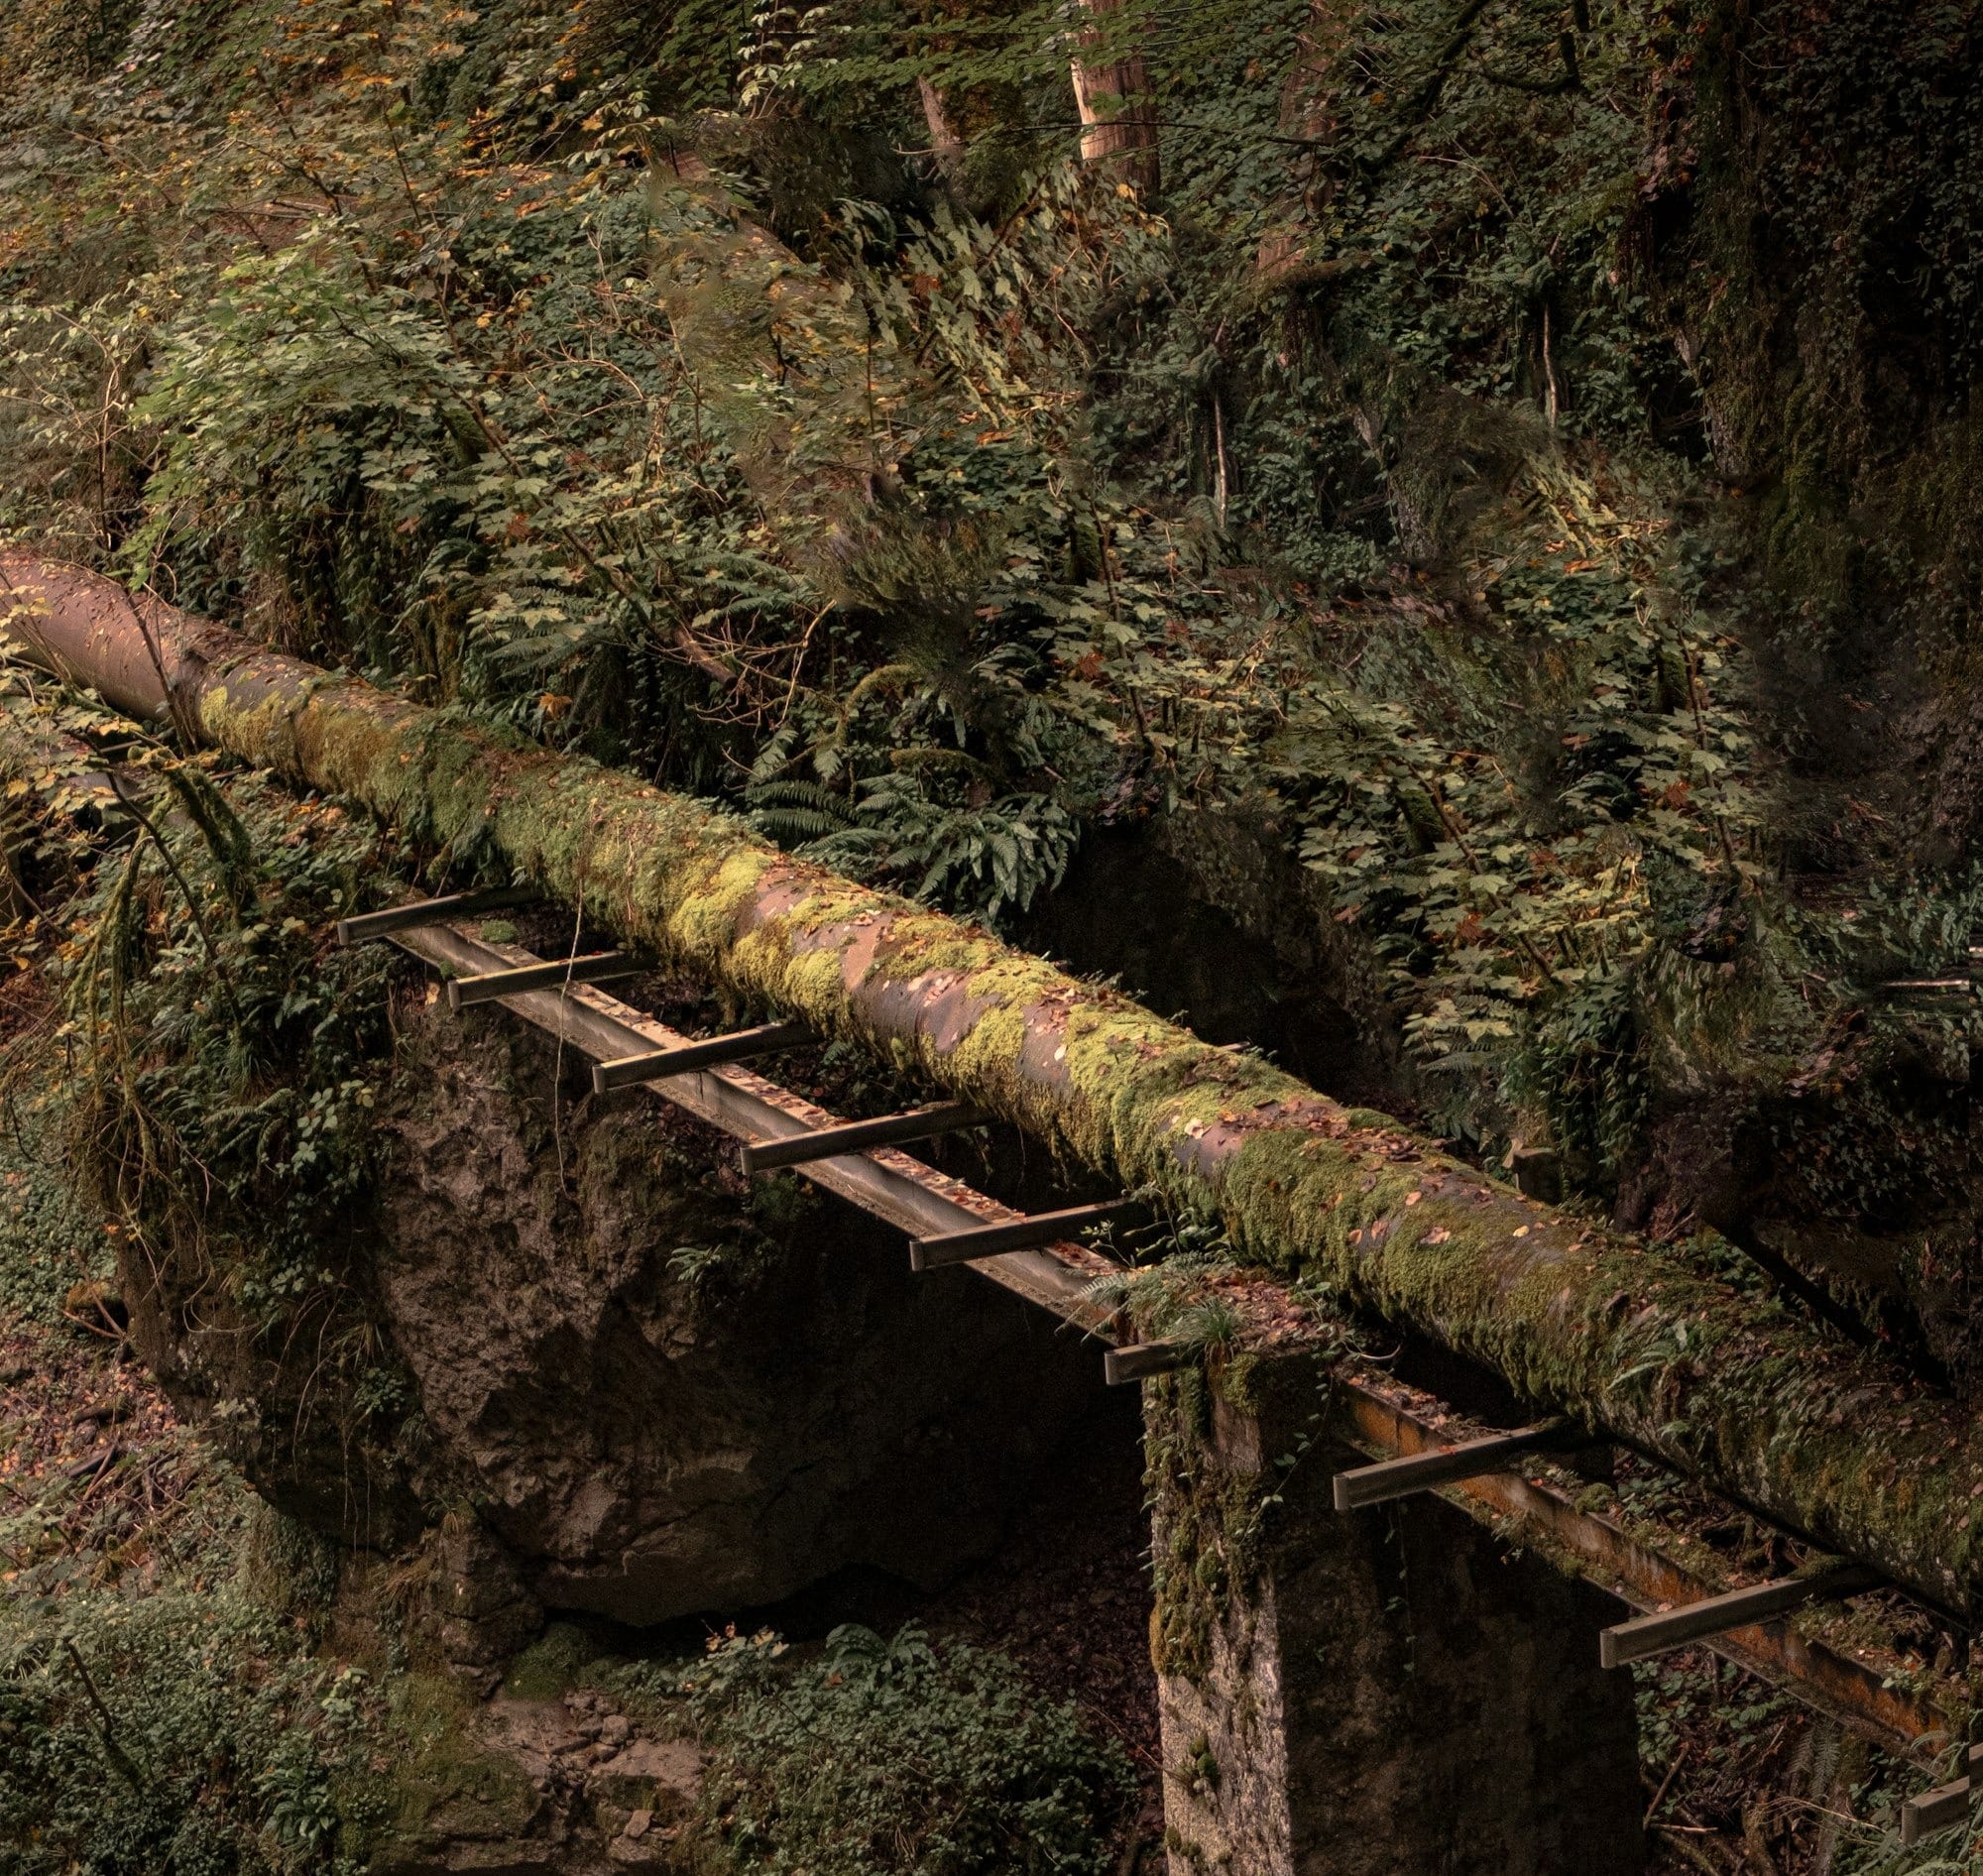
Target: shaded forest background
(1500, 477)
(1447, 545)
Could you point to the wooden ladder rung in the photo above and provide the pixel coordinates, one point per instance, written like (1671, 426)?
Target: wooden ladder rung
(853, 1137)
(367, 925)
(742, 1045)
(1025, 1233)
(1423, 1472)
(1739, 1609)
(1138, 1360)
(1943, 1807)
(594, 967)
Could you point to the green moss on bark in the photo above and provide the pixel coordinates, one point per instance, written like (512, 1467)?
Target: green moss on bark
(1647, 1342)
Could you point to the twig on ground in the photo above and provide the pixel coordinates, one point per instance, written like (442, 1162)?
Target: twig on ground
(105, 1727)
(1678, 1759)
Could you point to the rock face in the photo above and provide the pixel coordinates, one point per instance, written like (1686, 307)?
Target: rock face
(581, 1364)
(665, 1392)
(554, 1787)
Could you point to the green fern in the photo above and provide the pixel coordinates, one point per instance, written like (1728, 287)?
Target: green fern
(794, 812)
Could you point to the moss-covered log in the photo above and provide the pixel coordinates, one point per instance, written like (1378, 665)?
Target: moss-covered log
(1639, 1340)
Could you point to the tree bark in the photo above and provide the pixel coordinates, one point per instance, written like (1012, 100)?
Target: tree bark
(945, 144)
(1642, 1341)
(1119, 117)
(1308, 110)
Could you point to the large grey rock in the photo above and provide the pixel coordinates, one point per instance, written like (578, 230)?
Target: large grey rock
(667, 1392)
(578, 1364)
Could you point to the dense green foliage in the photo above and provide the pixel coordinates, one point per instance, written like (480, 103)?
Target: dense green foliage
(231, 1057)
(1356, 483)
(896, 1756)
(178, 1732)
(236, 1051)
(212, 1144)
(158, 1717)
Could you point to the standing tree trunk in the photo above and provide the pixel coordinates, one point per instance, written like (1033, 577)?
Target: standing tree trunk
(1119, 117)
(1308, 110)
(945, 144)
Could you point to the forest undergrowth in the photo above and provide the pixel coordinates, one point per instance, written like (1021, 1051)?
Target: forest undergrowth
(1355, 482)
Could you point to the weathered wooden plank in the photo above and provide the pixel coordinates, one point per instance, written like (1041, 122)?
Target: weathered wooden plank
(1383, 1416)
(1376, 1410)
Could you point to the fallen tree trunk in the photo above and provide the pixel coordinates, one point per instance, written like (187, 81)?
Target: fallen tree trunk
(1637, 1341)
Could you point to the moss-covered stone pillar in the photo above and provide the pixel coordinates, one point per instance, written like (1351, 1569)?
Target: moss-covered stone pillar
(1378, 1692)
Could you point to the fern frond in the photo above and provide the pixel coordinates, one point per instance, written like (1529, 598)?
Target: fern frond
(794, 812)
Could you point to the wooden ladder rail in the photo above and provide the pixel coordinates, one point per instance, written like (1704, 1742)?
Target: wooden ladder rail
(1386, 1419)
(886, 1183)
